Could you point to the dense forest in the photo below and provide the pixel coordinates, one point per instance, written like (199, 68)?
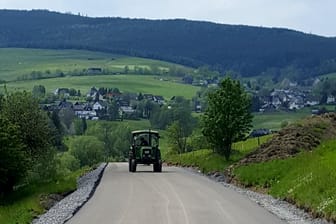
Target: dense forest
(246, 50)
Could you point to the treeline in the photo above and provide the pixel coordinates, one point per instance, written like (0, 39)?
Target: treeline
(243, 49)
(137, 70)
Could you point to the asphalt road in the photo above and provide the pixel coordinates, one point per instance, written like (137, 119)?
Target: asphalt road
(171, 197)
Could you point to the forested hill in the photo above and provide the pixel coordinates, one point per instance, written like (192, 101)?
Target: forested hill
(245, 49)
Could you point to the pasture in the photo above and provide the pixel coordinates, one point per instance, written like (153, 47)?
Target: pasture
(125, 83)
(17, 62)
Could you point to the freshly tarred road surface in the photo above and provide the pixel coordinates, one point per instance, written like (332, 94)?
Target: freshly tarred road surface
(171, 197)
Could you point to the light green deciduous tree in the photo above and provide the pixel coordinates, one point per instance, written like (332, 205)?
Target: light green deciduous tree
(228, 118)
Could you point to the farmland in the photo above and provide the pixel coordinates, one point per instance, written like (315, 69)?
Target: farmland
(125, 83)
(16, 62)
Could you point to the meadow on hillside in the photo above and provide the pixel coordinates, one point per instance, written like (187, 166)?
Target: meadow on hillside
(17, 62)
(125, 83)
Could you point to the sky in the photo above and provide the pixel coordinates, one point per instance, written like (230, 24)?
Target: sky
(309, 16)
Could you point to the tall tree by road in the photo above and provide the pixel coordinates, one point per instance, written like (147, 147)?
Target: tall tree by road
(25, 140)
(228, 117)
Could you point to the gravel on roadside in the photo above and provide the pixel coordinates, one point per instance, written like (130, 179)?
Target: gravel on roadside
(66, 208)
(282, 209)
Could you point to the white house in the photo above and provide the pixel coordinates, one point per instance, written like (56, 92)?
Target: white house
(86, 114)
(330, 99)
(98, 106)
(159, 99)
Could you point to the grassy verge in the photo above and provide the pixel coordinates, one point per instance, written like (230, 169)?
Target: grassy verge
(307, 180)
(24, 204)
(207, 161)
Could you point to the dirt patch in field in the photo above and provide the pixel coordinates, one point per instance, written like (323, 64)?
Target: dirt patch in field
(306, 134)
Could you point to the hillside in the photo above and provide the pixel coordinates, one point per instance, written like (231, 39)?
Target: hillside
(296, 165)
(244, 49)
(305, 134)
(22, 69)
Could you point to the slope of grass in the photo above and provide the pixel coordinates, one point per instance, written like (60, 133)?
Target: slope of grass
(330, 76)
(24, 204)
(207, 161)
(125, 83)
(308, 180)
(15, 62)
(273, 120)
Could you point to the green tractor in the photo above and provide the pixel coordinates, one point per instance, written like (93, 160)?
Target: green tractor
(145, 150)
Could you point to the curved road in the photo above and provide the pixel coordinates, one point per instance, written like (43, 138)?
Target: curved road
(171, 197)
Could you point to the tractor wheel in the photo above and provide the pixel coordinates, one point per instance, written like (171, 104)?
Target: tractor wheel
(130, 165)
(157, 167)
(133, 165)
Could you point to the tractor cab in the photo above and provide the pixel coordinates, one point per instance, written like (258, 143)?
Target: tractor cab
(145, 150)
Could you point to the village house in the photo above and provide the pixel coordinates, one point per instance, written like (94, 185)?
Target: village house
(94, 71)
(62, 91)
(159, 100)
(92, 92)
(331, 99)
(312, 101)
(85, 110)
(99, 105)
(65, 105)
(148, 96)
(295, 105)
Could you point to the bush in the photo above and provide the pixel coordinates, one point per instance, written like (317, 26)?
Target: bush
(87, 149)
(68, 161)
(284, 124)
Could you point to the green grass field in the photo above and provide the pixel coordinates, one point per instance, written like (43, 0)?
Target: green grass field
(15, 62)
(24, 204)
(308, 179)
(207, 161)
(125, 83)
(273, 120)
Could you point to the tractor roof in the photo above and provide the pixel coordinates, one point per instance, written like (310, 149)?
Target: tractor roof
(145, 132)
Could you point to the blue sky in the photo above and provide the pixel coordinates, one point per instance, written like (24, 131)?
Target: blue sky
(310, 16)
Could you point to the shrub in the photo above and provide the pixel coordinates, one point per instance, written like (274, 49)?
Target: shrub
(87, 149)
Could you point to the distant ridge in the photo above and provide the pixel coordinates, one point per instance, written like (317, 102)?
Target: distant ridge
(244, 49)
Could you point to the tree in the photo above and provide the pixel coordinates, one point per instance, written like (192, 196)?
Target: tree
(80, 126)
(113, 110)
(39, 91)
(67, 116)
(177, 137)
(57, 131)
(13, 157)
(126, 69)
(228, 117)
(87, 149)
(72, 92)
(22, 110)
(26, 143)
